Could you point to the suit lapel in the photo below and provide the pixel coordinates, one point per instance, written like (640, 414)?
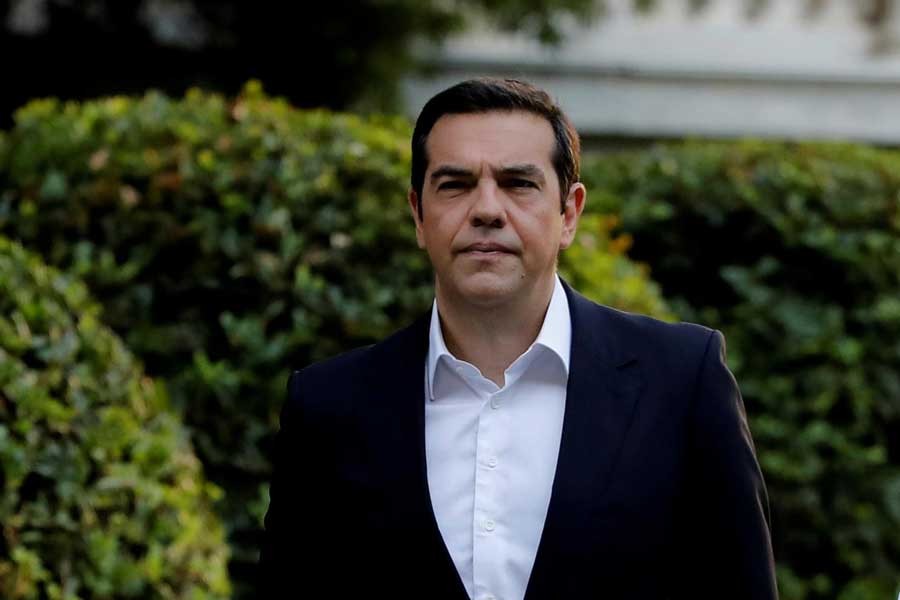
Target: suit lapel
(393, 420)
(601, 396)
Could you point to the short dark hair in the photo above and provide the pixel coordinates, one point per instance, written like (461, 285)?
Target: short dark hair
(489, 94)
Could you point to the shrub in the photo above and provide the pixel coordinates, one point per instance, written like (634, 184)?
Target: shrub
(596, 264)
(230, 241)
(101, 495)
(793, 251)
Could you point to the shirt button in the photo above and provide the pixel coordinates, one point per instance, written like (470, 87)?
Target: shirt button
(495, 403)
(490, 598)
(492, 462)
(489, 525)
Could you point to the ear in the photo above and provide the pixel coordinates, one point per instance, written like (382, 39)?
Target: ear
(413, 200)
(574, 206)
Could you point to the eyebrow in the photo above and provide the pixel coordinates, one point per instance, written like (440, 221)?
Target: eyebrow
(450, 171)
(523, 170)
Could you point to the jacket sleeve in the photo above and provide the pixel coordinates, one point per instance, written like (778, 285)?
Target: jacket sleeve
(728, 532)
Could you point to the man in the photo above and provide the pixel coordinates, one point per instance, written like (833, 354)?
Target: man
(517, 441)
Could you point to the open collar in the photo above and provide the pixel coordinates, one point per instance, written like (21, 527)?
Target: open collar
(555, 335)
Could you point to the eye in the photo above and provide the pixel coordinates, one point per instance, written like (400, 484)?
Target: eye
(521, 183)
(451, 185)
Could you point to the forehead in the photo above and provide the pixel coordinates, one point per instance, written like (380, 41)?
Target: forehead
(496, 138)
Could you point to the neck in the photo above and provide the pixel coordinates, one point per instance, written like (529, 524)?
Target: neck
(492, 337)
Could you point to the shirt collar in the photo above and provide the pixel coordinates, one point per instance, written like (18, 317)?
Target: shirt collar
(555, 335)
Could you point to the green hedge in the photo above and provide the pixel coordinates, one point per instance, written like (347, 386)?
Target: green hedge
(101, 495)
(793, 251)
(230, 241)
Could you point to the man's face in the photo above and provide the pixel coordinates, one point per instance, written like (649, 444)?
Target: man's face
(492, 225)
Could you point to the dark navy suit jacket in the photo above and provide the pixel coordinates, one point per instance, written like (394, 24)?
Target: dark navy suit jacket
(657, 492)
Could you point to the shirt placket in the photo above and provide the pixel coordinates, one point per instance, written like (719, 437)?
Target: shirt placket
(488, 521)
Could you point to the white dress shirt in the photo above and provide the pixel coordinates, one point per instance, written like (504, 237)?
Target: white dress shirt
(491, 453)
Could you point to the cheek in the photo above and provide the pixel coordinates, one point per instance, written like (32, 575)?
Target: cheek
(438, 234)
(538, 229)
(448, 224)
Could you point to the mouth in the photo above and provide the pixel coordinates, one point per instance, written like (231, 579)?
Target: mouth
(486, 248)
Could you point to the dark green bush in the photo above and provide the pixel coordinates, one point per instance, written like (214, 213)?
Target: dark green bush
(228, 243)
(596, 264)
(101, 495)
(232, 241)
(793, 251)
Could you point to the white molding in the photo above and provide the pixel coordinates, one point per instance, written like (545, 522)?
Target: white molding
(716, 75)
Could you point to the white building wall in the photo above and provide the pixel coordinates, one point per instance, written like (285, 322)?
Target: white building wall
(784, 74)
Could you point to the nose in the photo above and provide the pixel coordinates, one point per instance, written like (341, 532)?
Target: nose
(487, 208)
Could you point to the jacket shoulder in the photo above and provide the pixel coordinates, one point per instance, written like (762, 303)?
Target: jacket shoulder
(326, 370)
(312, 389)
(331, 384)
(642, 332)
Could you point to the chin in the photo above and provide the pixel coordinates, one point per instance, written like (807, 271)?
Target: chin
(488, 290)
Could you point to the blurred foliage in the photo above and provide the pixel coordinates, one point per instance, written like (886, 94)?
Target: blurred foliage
(794, 252)
(231, 241)
(101, 495)
(596, 264)
(339, 54)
